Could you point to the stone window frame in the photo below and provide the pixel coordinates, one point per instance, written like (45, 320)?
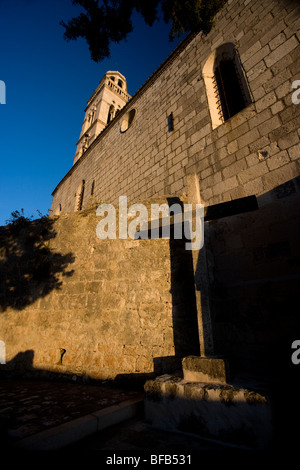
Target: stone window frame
(111, 113)
(79, 196)
(58, 209)
(93, 188)
(128, 120)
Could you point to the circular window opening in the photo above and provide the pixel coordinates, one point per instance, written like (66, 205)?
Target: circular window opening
(128, 119)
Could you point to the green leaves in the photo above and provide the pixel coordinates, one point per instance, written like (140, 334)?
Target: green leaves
(190, 15)
(109, 21)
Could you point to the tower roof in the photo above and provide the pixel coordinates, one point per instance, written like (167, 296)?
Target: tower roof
(115, 79)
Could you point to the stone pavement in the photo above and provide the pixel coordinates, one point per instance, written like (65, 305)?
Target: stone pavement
(29, 407)
(33, 408)
(137, 436)
(81, 417)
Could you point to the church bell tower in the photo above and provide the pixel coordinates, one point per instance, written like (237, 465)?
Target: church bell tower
(106, 101)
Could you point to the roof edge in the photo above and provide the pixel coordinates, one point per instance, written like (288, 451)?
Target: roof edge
(166, 63)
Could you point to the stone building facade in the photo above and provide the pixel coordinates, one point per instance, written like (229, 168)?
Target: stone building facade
(249, 153)
(217, 122)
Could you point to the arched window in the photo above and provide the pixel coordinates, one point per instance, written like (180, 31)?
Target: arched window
(93, 188)
(226, 84)
(85, 142)
(58, 210)
(79, 196)
(111, 113)
(128, 120)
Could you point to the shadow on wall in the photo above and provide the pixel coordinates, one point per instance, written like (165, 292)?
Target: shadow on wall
(21, 367)
(255, 261)
(29, 268)
(184, 308)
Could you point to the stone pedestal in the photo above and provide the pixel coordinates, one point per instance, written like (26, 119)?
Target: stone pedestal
(205, 369)
(232, 415)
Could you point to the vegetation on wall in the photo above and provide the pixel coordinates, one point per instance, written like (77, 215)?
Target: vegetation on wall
(29, 267)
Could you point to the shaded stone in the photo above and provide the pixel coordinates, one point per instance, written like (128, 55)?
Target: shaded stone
(224, 412)
(204, 369)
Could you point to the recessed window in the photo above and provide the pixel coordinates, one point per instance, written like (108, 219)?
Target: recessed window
(58, 210)
(85, 142)
(128, 120)
(111, 113)
(226, 84)
(79, 196)
(170, 122)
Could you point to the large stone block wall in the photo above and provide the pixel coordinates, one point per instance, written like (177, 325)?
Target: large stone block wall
(117, 307)
(254, 266)
(250, 153)
(121, 311)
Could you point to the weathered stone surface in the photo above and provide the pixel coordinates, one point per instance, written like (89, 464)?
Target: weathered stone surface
(111, 296)
(204, 369)
(240, 416)
(109, 306)
(148, 160)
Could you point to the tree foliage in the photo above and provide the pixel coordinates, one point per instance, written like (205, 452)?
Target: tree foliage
(30, 268)
(109, 21)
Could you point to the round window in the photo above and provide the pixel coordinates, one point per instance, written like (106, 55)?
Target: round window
(128, 119)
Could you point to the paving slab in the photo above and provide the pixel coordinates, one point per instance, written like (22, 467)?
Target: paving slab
(38, 414)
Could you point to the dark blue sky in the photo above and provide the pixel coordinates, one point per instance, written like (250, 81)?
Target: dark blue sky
(48, 82)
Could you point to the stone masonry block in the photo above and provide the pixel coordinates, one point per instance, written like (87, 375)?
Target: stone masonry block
(273, 32)
(277, 41)
(266, 101)
(226, 185)
(269, 125)
(294, 152)
(281, 51)
(205, 369)
(280, 159)
(235, 168)
(257, 57)
(253, 172)
(247, 138)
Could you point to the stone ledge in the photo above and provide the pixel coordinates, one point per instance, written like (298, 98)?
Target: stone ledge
(205, 369)
(230, 414)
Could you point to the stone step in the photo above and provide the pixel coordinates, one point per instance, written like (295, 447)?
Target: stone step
(234, 415)
(205, 369)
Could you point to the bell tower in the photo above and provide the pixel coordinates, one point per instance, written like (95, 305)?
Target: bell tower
(106, 101)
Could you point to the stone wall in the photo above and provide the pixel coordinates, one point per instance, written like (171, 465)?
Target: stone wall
(74, 304)
(254, 269)
(128, 306)
(77, 305)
